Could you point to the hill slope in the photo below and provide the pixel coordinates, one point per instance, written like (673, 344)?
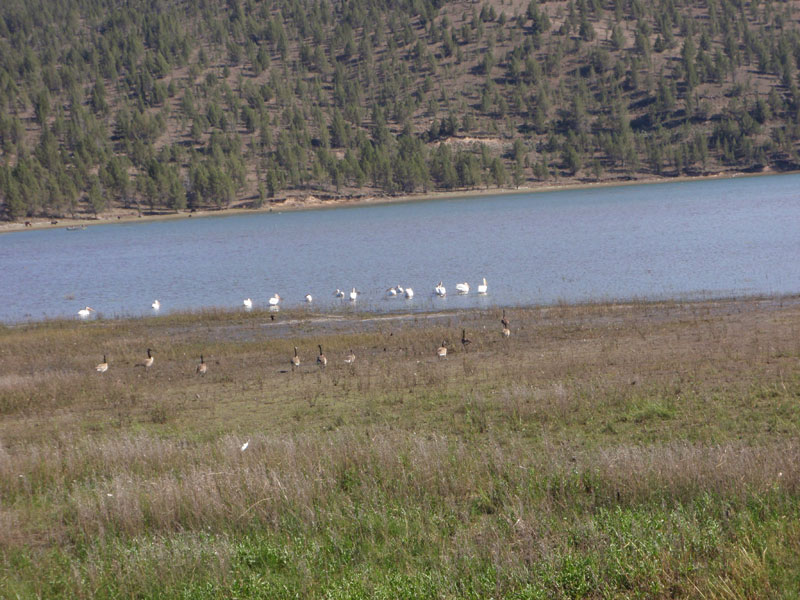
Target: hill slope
(178, 103)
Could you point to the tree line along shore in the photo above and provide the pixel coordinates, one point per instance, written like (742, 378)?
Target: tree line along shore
(166, 105)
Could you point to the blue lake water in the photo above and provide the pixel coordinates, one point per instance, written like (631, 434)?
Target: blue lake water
(678, 240)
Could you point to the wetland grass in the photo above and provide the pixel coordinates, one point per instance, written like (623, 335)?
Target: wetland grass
(644, 450)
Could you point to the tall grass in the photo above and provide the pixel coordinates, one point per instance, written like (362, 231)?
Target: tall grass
(646, 450)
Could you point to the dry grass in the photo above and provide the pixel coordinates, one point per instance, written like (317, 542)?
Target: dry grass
(640, 450)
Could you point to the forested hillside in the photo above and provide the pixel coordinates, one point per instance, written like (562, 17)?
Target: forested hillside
(173, 104)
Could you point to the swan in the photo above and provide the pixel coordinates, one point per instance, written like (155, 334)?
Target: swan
(440, 290)
(483, 288)
(156, 305)
(409, 293)
(391, 292)
(274, 300)
(463, 288)
(353, 294)
(248, 303)
(309, 298)
(103, 366)
(85, 312)
(338, 293)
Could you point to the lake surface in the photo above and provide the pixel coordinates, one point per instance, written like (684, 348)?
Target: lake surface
(680, 240)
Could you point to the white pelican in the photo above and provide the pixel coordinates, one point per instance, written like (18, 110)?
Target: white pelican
(147, 362)
(273, 301)
(463, 288)
(156, 305)
(440, 290)
(441, 351)
(409, 293)
(321, 360)
(85, 312)
(483, 288)
(391, 292)
(103, 366)
(350, 358)
(309, 298)
(400, 289)
(353, 295)
(338, 293)
(202, 368)
(248, 303)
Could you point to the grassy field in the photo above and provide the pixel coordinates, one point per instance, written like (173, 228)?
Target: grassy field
(643, 450)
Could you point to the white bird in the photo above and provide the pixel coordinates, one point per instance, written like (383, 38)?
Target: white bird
(156, 305)
(482, 287)
(85, 312)
(400, 289)
(103, 366)
(353, 295)
(409, 293)
(309, 298)
(391, 292)
(338, 293)
(274, 300)
(440, 290)
(463, 288)
(350, 358)
(245, 445)
(248, 303)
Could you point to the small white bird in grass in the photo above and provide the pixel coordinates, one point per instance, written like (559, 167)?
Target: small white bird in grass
(309, 298)
(274, 300)
(483, 288)
(409, 293)
(103, 366)
(354, 294)
(463, 288)
(156, 305)
(85, 312)
(245, 445)
(440, 290)
(350, 358)
(248, 303)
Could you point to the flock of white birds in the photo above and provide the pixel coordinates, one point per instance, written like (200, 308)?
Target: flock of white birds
(274, 301)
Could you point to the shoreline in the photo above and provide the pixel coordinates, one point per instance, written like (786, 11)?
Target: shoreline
(311, 202)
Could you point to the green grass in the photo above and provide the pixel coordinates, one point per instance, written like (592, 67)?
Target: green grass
(600, 452)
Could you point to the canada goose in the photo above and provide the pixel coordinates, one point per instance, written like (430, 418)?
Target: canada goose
(504, 321)
(483, 288)
(441, 351)
(248, 303)
(309, 298)
(506, 331)
(85, 312)
(156, 305)
(350, 358)
(464, 340)
(354, 294)
(273, 301)
(409, 293)
(463, 288)
(440, 290)
(147, 362)
(321, 360)
(103, 366)
(295, 359)
(202, 368)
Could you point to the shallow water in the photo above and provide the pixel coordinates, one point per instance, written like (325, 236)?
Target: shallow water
(674, 240)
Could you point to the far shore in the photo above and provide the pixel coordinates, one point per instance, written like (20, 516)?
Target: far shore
(311, 201)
